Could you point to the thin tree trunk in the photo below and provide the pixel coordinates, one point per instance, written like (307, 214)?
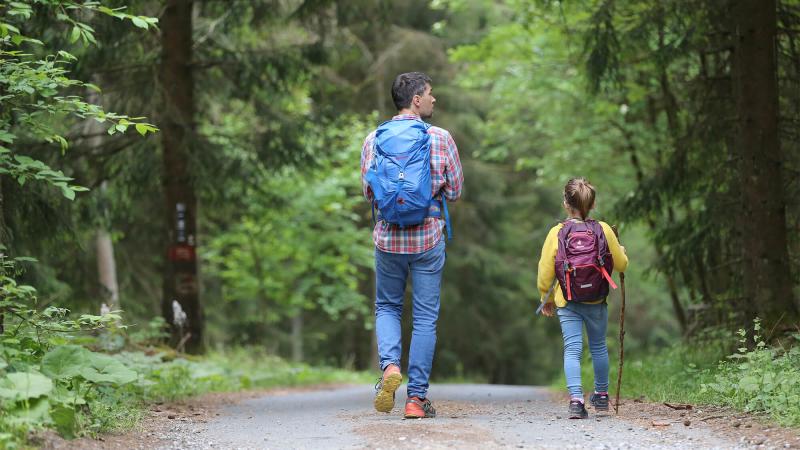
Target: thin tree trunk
(107, 269)
(106, 264)
(297, 337)
(177, 133)
(766, 278)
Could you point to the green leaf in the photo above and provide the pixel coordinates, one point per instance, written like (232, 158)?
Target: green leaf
(24, 385)
(64, 419)
(139, 22)
(64, 396)
(75, 35)
(67, 192)
(142, 128)
(105, 369)
(65, 361)
(34, 413)
(67, 55)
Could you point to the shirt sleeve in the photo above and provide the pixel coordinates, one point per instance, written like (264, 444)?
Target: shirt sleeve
(453, 175)
(366, 161)
(619, 256)
(547, 264)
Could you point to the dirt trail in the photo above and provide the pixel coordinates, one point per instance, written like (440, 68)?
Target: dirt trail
(469, 416)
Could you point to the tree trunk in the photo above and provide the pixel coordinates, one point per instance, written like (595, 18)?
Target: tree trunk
(297, 337)
(766, 279)
(104, 247)
(177, 134)
(107, 269)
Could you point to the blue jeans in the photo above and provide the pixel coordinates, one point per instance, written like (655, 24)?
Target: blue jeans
(573, 317)
(391, 273)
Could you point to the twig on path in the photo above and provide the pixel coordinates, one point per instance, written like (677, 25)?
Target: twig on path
(677, 406)
(713, 417)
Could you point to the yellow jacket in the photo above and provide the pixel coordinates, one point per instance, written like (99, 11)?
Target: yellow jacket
(547, 263)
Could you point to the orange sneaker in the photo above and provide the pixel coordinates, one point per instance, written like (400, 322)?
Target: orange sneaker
(419, 408)
(384, 389)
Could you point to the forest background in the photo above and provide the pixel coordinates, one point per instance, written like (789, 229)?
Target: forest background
(232, 185)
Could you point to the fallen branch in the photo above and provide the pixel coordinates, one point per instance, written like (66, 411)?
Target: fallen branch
(713, 417)
(677, 406)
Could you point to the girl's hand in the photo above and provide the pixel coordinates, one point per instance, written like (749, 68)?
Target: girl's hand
(549, 309)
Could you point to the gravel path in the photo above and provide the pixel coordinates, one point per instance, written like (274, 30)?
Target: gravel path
(469, 416)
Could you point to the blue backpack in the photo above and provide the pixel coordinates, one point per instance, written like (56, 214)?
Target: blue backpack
(400, 174)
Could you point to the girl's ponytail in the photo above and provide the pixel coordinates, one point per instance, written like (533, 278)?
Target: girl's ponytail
(579, 195)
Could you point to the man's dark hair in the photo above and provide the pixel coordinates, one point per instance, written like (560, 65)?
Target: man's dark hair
(406, 86)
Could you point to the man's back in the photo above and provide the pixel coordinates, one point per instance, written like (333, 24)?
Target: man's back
(446, 178)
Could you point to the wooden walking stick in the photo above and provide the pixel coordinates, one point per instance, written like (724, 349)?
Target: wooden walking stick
(621, 330)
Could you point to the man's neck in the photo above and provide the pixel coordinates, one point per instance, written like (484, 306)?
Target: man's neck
(407, 112)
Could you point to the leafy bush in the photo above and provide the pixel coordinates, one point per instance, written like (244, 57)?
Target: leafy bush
(765, 379)
(46, 380)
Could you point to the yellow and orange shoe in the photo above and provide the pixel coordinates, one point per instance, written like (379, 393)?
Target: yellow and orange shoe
(384, 389)
(419, 408)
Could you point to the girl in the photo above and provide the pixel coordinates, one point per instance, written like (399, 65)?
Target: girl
(587, 251)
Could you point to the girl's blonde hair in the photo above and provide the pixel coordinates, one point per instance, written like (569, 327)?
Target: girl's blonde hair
(579, 195)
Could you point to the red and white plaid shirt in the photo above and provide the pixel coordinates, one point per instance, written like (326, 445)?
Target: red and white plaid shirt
(447, 178)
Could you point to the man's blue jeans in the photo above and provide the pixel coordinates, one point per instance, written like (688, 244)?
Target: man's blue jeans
(573, 317)
(391, 273)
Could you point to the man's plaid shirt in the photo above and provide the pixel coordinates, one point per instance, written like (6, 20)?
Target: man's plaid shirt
(447, 177)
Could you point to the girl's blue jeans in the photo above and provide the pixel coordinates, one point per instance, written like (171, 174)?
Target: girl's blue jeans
(573, 318)
(391, 272)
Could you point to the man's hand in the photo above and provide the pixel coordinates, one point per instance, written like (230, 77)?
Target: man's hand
(549, 309)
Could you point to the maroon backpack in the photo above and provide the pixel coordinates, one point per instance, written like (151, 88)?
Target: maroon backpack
(583, 261)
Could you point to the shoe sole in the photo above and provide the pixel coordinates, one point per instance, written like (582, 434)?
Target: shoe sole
(424, 416)
(600, 408)
(579, 416)
(384, 399)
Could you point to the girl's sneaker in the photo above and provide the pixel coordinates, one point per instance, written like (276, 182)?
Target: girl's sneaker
(577, 410)
(599, 400)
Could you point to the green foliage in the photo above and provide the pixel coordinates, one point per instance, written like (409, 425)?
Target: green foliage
(37, 93)
(299, 245)
(45, 380)
(763, 379)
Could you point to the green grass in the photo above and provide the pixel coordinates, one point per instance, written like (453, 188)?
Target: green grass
(764, 380)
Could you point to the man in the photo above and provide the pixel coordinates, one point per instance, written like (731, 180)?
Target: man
(418, 250)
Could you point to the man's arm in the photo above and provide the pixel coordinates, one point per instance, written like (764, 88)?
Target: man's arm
(453, 175)
(366, 161)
